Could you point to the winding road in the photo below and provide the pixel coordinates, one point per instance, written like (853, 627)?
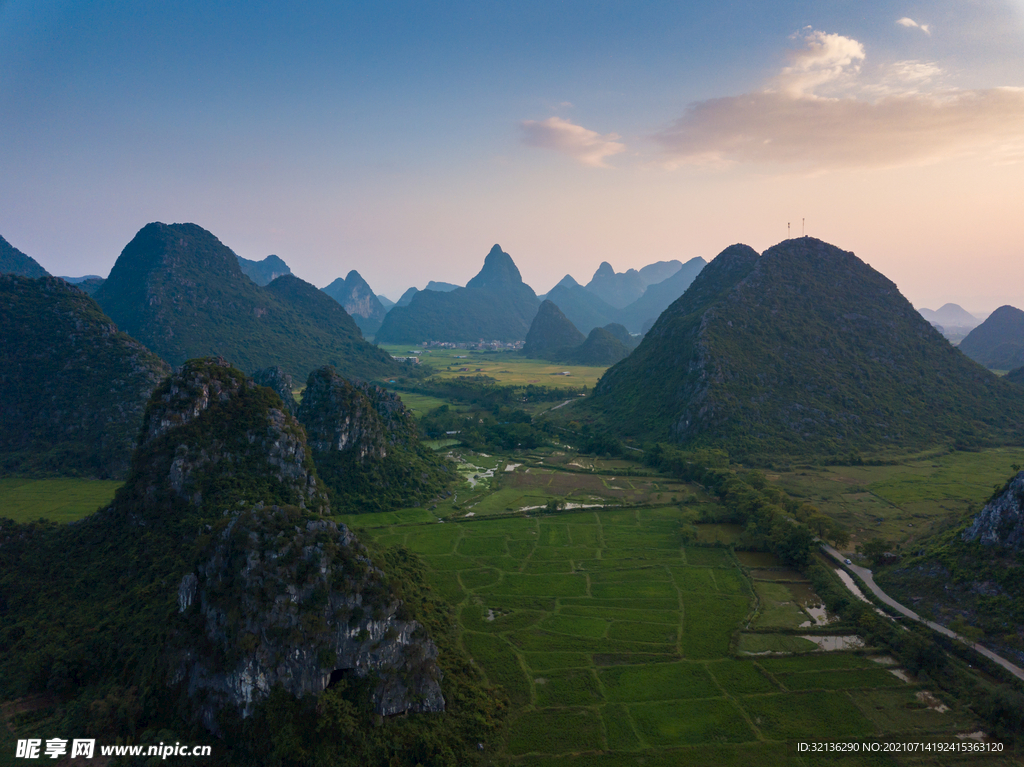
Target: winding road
(865, 575)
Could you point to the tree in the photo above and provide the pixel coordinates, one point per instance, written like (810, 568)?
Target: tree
(874, 549)
(792, 543)
(837, 534)
(820, 524)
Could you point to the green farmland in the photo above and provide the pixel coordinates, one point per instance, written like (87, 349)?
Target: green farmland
(906, 499)
(617, 645)
(622, 634)
(59, 500)
(507, 368)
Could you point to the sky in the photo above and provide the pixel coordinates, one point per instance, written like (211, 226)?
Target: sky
(404, 139)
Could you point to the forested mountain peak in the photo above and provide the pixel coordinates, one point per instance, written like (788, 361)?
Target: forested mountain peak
(804, 349)
(181, 291)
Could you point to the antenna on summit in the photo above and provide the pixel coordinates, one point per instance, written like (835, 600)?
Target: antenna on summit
(787, 230)
(803, 228)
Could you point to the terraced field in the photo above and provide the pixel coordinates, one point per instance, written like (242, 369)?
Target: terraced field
(617, 645)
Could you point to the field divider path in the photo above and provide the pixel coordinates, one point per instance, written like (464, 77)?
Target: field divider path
(728, 696)
(682, 608)
(868, 579)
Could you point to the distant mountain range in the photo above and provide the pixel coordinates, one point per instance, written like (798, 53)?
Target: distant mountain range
(181, 291)
(639, 296)
(406, 298)
(496, 305)
(359, 300)
(658, 296)
(588, 307)
(441, 287)
(998, 342)
(263, 272)
(90, 283)
(951, 315)
(586, 310)
(952, 321)
(804, 349)
(621, 289)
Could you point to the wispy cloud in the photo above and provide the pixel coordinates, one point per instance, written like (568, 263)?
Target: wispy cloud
(910, 23)
(822, 113)
(824, 58)
(584, 145)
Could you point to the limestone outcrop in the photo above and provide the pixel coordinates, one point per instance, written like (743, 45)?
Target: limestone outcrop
(1001, 522)
(297, 603)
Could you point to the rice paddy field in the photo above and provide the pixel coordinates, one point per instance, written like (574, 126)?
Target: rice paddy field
(508, 368)
(59, 500)
(618, 645)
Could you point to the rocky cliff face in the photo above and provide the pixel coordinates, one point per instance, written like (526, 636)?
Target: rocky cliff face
(272, 594)
(1001, 522)
(298, 603)
(210, 435)
(277, 379)
(342, 416)
(359, 300)
(366, 445)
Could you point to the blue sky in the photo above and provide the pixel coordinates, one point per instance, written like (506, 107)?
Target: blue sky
(403, 140)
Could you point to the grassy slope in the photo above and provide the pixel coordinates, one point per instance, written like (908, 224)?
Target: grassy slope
(644, 394)
(906, 501)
